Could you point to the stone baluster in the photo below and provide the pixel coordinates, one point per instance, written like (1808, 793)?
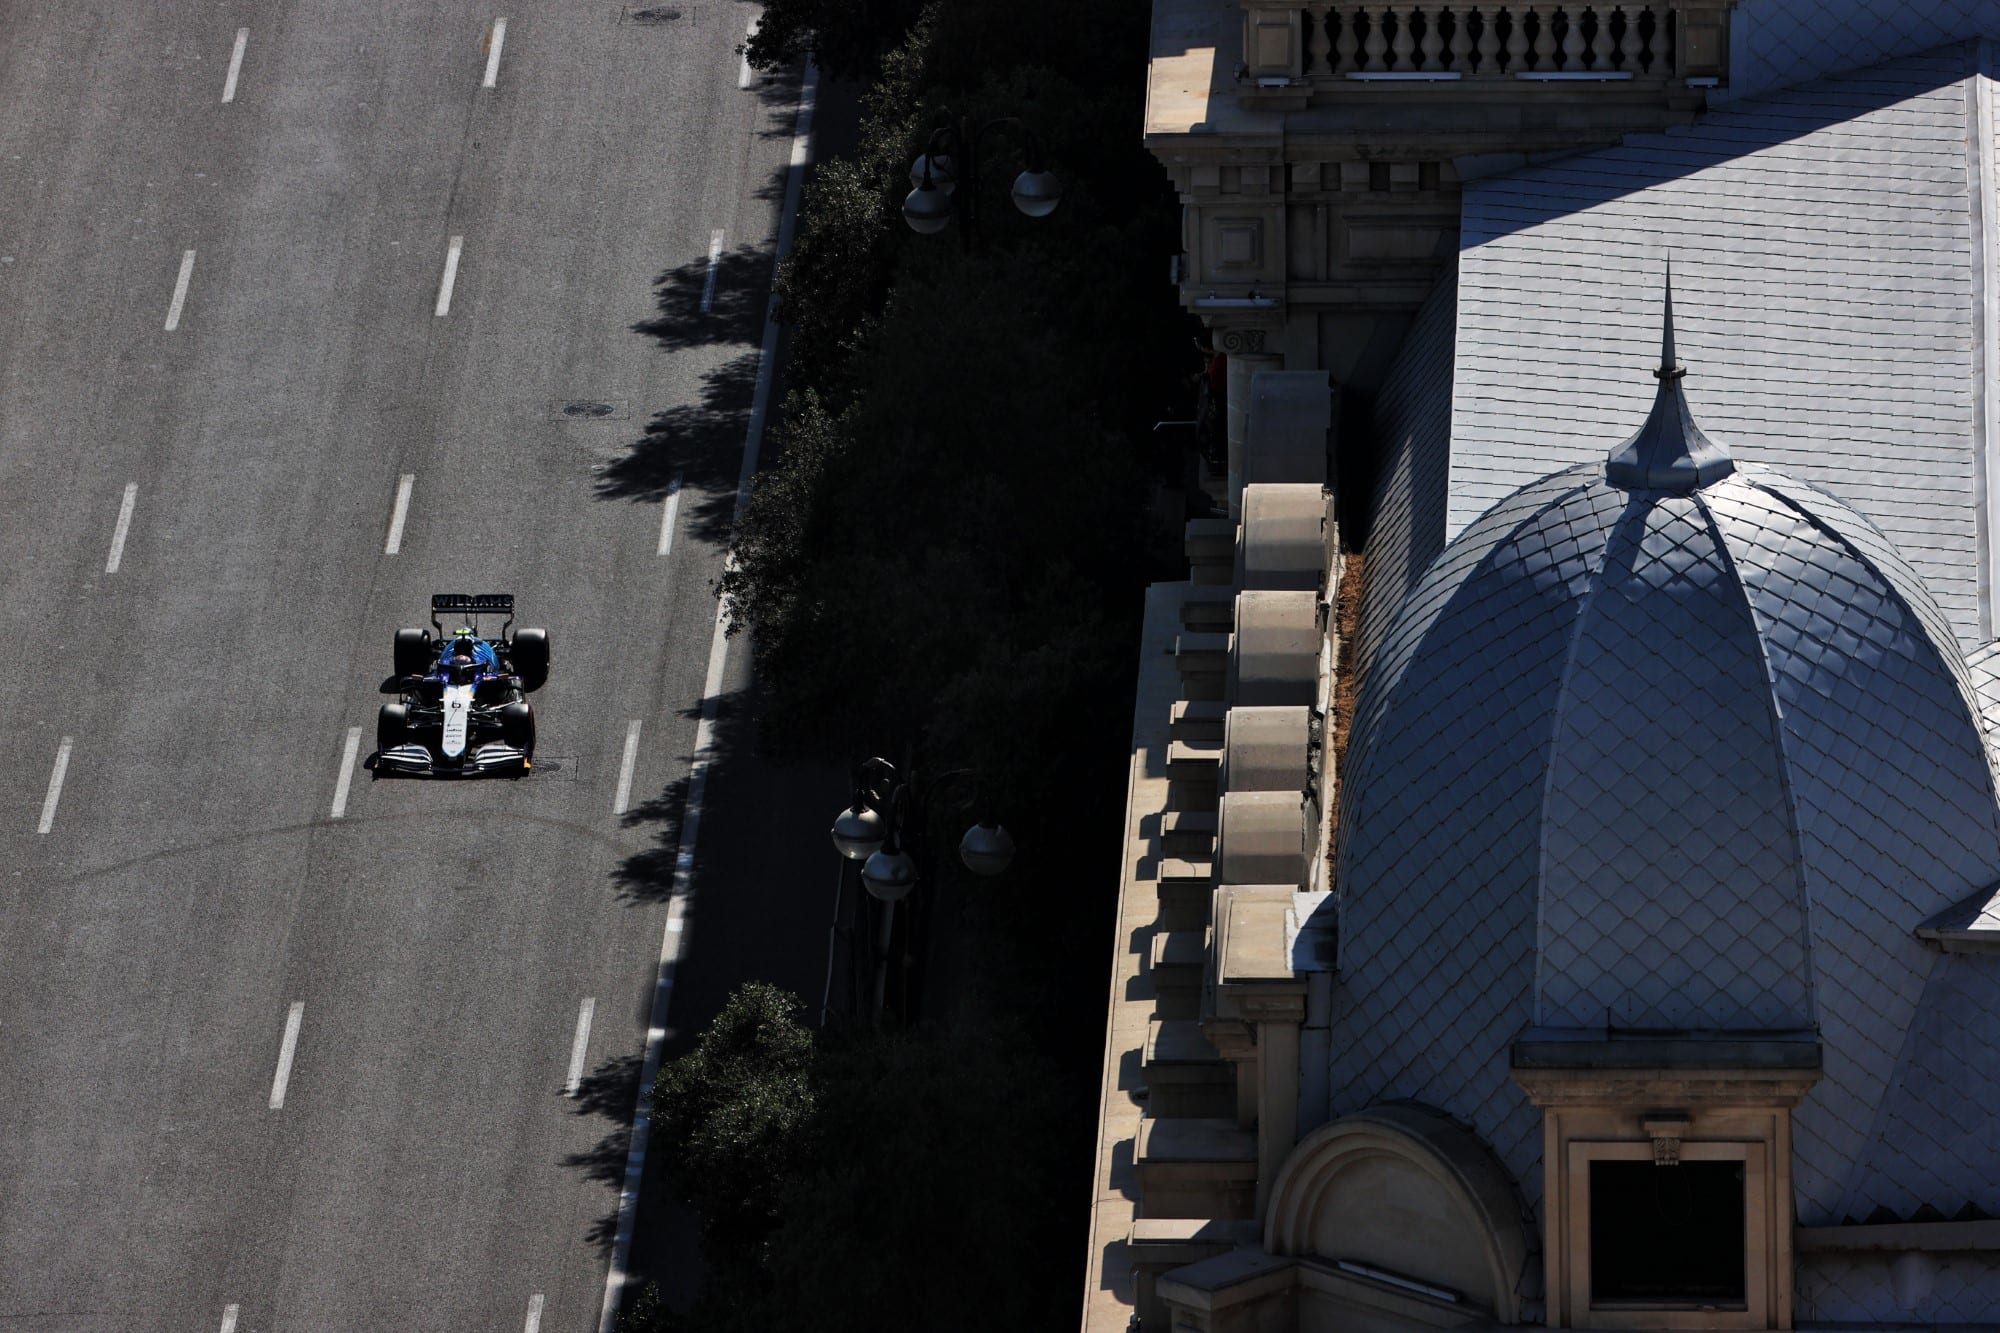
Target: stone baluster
(1403, 47)
(1433, 43)
(1376, 48)
(1346, 43)
(1489, 40)
(1630, 42)
(1545, 37)
(1517, 39)
(1319, 42)
(1600, 42)
(1461, 39)
(1572, 42)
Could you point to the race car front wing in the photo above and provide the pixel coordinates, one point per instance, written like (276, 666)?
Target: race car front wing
(492, 757)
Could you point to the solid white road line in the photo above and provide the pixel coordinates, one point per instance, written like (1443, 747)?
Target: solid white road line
(744, 73)
(534, 1323)
(180, 291)
(494, 41)
(235, 65)
(579, 1044)
(346, 773)
(48, 820)
(704, 738)
(623, 800)
(286, 1050)
(714, 259)
(450, 276)
(669, 514)
(228, 1319)
(123, 526)
(399, 513)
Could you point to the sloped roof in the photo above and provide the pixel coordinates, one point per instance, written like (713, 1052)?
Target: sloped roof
(1778, 43)
(1829, 259)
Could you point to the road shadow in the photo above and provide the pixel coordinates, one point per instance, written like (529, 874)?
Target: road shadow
(695, 310)
(610, 1093)
(648, 876)
(700, 444)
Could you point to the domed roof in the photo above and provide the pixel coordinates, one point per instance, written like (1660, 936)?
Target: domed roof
(1670, 742)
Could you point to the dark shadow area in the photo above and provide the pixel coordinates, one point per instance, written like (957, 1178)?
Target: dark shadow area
(735, 312)
(701, 443)
(611, 1092)
(648, 876)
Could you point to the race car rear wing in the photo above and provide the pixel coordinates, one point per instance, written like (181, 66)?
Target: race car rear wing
(472, 605)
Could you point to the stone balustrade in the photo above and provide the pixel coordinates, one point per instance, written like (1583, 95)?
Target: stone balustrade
(1341, 43)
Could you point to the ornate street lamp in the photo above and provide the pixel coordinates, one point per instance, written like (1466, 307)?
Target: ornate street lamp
(886, 810)
(952, 155)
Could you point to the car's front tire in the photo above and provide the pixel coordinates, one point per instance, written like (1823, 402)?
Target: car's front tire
(392, 724)
(517, 727)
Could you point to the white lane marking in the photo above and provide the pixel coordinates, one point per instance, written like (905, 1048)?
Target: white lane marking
(623, 800)
(534, 1321)
(492, 79)
(228, 1319)
(122, 527)
(744, 73)
(346, 773)
(180, 291)
(286, 1050)
(714, 259)
(669, 513)
(399, 513)
(450, 279)
(577, 1046)
(704, 739)
(48, 820)
(229, 84)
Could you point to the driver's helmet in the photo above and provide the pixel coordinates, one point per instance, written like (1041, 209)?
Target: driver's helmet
(464, 671)
(462, 645)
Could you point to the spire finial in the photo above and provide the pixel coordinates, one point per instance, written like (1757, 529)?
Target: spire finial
(1669, 453)
(1670, 366)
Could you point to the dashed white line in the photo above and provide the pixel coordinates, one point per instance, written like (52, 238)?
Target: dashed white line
(578, 1045)
(180, 291)
(493, 44)
(286, 1050)
(623, 799)
(669, 514)
(450, 279)
(48, 820)
(346, 773)
(399, 514)
(235, 68)
(534, 1322)
(228, 1319)
(744, 73)
(123, 526)
(714, 260)
(704, 739)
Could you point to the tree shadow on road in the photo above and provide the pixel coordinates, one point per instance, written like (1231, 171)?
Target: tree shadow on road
(700, 443)
(609, 1092)
(648, 876)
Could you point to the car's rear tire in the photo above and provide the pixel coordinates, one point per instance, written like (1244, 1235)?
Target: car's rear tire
(413, 652)
(531, 657)
(517, 727)
(392, 724)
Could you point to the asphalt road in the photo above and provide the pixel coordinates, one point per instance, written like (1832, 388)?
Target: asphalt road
(284, 1046)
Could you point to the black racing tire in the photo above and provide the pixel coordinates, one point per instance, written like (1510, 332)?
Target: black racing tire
(517, 727)
(392, 725)
(414, 651)
(530, 657)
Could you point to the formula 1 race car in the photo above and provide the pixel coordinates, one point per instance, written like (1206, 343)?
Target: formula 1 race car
(463, 707)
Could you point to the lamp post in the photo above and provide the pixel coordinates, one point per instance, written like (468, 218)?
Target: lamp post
(951, 159)
(887, 810)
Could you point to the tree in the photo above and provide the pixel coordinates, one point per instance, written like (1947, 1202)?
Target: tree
(848, 38)
(731, 1117)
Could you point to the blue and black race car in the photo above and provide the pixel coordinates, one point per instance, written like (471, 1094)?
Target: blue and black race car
(464, 705)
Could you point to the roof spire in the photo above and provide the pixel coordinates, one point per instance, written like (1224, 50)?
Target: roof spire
(1669, 452)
